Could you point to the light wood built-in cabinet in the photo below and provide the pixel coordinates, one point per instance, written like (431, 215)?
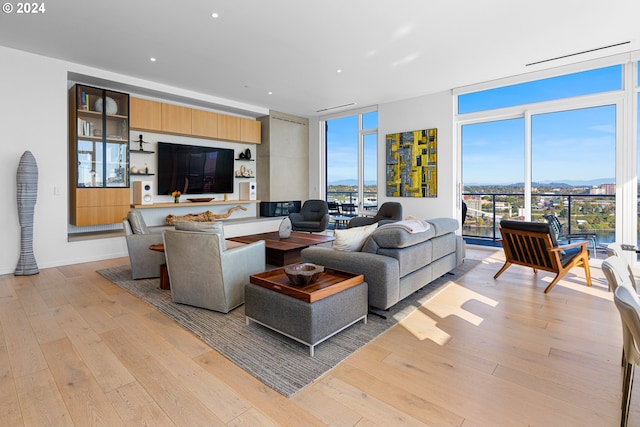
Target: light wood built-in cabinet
(229, 127)
(176, 119)
(250, 131)
(146, 114)
(157, 116)
(98, 156)
(204, 123)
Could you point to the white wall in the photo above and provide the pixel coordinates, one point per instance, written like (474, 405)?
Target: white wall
(424, 112)
(33, 108)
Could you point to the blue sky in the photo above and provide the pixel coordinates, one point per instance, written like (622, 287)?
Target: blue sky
(342, 149)
(569, 145)
(574, 145)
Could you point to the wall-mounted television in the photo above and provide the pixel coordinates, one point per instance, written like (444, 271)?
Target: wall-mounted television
(193, 169)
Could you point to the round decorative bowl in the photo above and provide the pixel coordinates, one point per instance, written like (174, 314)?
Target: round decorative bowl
(303, 274)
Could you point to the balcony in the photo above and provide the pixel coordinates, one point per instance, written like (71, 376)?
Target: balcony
(579, 213)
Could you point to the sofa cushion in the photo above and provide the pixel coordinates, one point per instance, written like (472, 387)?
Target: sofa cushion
(443, 225)
(136, 221)
(352, 239)
(203, 227)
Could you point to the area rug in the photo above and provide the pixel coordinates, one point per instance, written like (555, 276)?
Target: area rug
(279, 362)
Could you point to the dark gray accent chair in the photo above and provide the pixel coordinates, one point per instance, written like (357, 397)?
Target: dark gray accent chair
(313, 216)
(388, 212)
(145, 263)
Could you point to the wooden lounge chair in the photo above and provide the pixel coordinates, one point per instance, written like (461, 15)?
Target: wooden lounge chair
(533, 244)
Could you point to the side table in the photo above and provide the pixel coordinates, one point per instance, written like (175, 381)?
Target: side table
(164, 273)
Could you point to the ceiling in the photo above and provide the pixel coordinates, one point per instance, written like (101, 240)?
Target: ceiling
(386, 50)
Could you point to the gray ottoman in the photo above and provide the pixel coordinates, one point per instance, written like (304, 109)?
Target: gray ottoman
(308, 323)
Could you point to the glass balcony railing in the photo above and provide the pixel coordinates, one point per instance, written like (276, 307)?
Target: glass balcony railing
(370, 201)
(578, 213)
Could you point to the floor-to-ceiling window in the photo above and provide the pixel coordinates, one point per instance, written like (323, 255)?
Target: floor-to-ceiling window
(351, 159)
(548, 147)
(493, 175)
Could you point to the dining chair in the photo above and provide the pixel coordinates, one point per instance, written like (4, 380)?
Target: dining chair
(628, 305)
(615, 269)
(615, 248)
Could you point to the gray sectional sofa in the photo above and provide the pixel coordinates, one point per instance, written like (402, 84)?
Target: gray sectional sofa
(396, 261)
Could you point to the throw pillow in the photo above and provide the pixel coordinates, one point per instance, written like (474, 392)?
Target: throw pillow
(203, 227)
(138, 226)
(352, 239)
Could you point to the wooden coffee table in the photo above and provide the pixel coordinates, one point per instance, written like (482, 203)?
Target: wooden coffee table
(308, 314)
(280, 252)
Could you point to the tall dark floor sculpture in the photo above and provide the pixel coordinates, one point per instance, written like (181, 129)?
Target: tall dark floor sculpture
(27, 180)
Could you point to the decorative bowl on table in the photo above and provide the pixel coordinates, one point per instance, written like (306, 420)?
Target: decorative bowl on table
(303, 274)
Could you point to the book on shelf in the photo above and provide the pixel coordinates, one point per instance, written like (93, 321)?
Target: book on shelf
(85, 128)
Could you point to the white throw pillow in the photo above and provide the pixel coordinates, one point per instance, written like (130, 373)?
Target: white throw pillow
(352, 239)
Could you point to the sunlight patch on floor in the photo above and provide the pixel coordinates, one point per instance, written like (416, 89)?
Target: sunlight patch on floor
(448, 302)
(423, 327)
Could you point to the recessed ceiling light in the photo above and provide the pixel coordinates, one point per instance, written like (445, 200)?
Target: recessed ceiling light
(338, 70)
(152, 59)
(215, 15)
(270, 93)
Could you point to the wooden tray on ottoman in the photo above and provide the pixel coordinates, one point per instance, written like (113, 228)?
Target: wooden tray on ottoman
(331, 281)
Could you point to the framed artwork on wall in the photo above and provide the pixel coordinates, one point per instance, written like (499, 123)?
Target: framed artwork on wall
(412, 163)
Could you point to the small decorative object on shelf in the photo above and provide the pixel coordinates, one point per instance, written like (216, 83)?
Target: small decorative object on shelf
(176, 196)
(247, 154)
(112, 106)
(244, 172)
(241, 156)
(141, 142)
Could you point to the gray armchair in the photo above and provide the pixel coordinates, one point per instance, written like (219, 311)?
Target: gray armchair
(314, 216)
(145, 263)
(205, 275)
(388, 212)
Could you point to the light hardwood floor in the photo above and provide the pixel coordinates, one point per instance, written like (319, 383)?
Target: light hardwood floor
(76, 350)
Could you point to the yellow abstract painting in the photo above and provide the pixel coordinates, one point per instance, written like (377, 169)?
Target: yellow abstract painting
(412, 163)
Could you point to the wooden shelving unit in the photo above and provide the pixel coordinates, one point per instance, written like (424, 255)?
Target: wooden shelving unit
(98, 156)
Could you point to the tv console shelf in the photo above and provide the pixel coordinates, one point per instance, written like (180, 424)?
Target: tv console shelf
(187, 203)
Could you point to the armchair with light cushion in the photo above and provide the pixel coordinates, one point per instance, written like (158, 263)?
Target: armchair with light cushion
(203, 273)
(388, 212)
(313, 216)
(145, 263)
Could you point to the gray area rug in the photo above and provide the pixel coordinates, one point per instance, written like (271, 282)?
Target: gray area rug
(279, 362)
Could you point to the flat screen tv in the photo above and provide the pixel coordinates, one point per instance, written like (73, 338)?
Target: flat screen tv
(192, 169)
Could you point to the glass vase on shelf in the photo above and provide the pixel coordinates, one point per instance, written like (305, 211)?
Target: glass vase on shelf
(176, 196)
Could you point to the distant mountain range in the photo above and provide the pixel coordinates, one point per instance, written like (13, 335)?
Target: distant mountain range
(566, 183)
(350, 182)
